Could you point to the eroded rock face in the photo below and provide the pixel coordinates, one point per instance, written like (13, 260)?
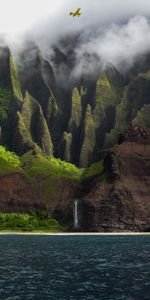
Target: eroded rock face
(122, 203)
(56, 196)
(88, 139)
(5, 78)
(31, 129)
(136, 134)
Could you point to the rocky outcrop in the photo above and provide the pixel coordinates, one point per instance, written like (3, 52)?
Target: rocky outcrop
(120, 202)
(142, 117)
(31, 129)
(88, 139)
(15, 81)
(74, 126)
(67, 146)
(54, 195)
(136, 134)
(5, 78)
(107, 96)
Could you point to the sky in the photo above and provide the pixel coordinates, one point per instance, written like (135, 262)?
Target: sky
(114, 30)
(17, 16)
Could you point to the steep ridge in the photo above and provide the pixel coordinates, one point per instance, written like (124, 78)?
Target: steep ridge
(31, 130)
(122, 201)
(75, 121)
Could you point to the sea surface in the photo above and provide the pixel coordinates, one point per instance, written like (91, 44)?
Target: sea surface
(74, 267)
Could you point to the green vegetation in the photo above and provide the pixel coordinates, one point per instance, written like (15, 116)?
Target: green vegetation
(142, 117)
(106, 96)
(9, 161)
(10, 157)
(52, 108)
(15, 80)
(93, 170)
(96, 169)
(76, 110)
(28, 222)
(144, 75)
(3, 114)
(105, 176)
(112, 138)
(67, 142)
(65, 169)
(35, 165)
(5, 103)
(6, 95)
(30, 112)
(6, 167)
(88, 143)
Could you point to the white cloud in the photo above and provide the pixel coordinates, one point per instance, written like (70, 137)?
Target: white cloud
(115, 30)
(116, 44)
(21, 15)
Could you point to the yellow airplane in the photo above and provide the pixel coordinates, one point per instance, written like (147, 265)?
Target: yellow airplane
(77, 13)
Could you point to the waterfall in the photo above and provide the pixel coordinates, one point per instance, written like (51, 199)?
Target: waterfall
(75, 212)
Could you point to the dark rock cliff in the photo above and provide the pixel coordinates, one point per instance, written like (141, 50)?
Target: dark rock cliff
(56, 196)
(122, 201)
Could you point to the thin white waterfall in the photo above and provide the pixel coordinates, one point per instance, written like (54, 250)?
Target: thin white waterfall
(75, 212)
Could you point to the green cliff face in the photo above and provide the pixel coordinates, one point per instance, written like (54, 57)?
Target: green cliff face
(133, 108)
(74, 126)
(88, 143)
(67, 146)
(74, 121)
(5, 103)
(32, 131)
(5, 78)
(76, 111)
(143, 116)
(8, 99)
(15, 81)
(107, 97)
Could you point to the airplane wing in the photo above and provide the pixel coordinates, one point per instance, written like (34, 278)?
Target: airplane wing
(78, 11)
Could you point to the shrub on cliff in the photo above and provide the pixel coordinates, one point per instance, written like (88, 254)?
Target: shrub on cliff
(10, 157)
(26, 221)
(38, 165)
